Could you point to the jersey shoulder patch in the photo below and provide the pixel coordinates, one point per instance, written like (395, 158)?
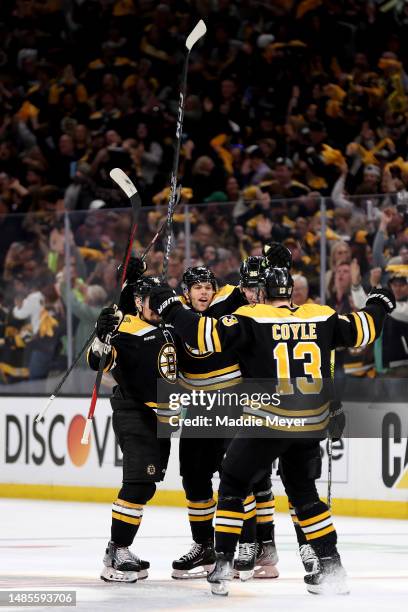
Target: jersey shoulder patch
(229, 320)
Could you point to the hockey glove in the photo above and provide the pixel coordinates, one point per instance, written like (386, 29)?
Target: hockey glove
(108, 321)
(385, 297)
(277, 255)
(337, 421)
(163, 300)
(135, 268)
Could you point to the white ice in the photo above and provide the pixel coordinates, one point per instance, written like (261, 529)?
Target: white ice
(60, 545)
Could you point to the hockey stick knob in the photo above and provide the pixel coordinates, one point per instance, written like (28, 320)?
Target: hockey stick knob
(40, 416)
(87, 429)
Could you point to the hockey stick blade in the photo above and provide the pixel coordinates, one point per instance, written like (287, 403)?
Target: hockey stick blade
(123, 181)
(196, 34)
(127, 186)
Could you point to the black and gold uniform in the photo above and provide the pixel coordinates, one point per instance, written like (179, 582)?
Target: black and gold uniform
(141, 352)
(200, 458)
(203, 367)
(292, 345)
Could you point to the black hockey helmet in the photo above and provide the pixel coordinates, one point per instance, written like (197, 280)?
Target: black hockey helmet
(277, 255)
(278, 283)
(199, 274)
(144, 285)
(252, 271)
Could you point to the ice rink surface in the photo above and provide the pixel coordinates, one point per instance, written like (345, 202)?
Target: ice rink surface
(60, 545)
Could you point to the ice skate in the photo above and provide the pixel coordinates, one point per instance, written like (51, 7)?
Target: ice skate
(244, 564)
(330, 577)
(266, 560)
(309, 558)
(221, 574)
(199, 560)
(121, 565)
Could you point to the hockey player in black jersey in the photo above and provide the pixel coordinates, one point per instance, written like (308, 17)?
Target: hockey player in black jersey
(276, 340)
(142, 351)
(200, 458)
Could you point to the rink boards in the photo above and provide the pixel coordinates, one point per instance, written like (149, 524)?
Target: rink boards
(46, 460)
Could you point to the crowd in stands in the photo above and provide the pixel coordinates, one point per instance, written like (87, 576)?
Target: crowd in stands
(288, 102)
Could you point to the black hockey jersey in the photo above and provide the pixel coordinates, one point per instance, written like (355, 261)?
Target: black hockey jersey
(141, 354)
(292, 346)
(208, 369)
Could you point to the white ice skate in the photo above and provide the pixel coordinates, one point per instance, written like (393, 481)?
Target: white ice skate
(121, 565)
(221, 574)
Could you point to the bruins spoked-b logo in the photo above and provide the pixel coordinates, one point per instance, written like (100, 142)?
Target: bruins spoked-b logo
(151, 469)
(167, 362)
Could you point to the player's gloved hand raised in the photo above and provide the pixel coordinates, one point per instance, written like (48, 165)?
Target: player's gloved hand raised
(163, 299)
(277, 255)
(135, 268)
(108, 321)
(337, 421)
(385, 297)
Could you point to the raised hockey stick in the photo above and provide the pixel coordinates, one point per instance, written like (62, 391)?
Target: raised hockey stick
(64, 378)
(93, 334)
(195, 35)
(124, 182)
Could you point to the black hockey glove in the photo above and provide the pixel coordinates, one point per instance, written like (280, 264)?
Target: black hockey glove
(135, 268)
(163, 300)
(385, 297)
(108, 321)
(337, 421)
(277, 255)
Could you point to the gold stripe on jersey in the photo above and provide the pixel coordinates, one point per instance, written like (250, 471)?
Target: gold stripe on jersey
(213, 387)
(213, 373)
(135, 326)
(201, 335)
(207, 335)
(222, 294)
(216, 340)
(359, 329)
(365, 328)
(264, 313)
